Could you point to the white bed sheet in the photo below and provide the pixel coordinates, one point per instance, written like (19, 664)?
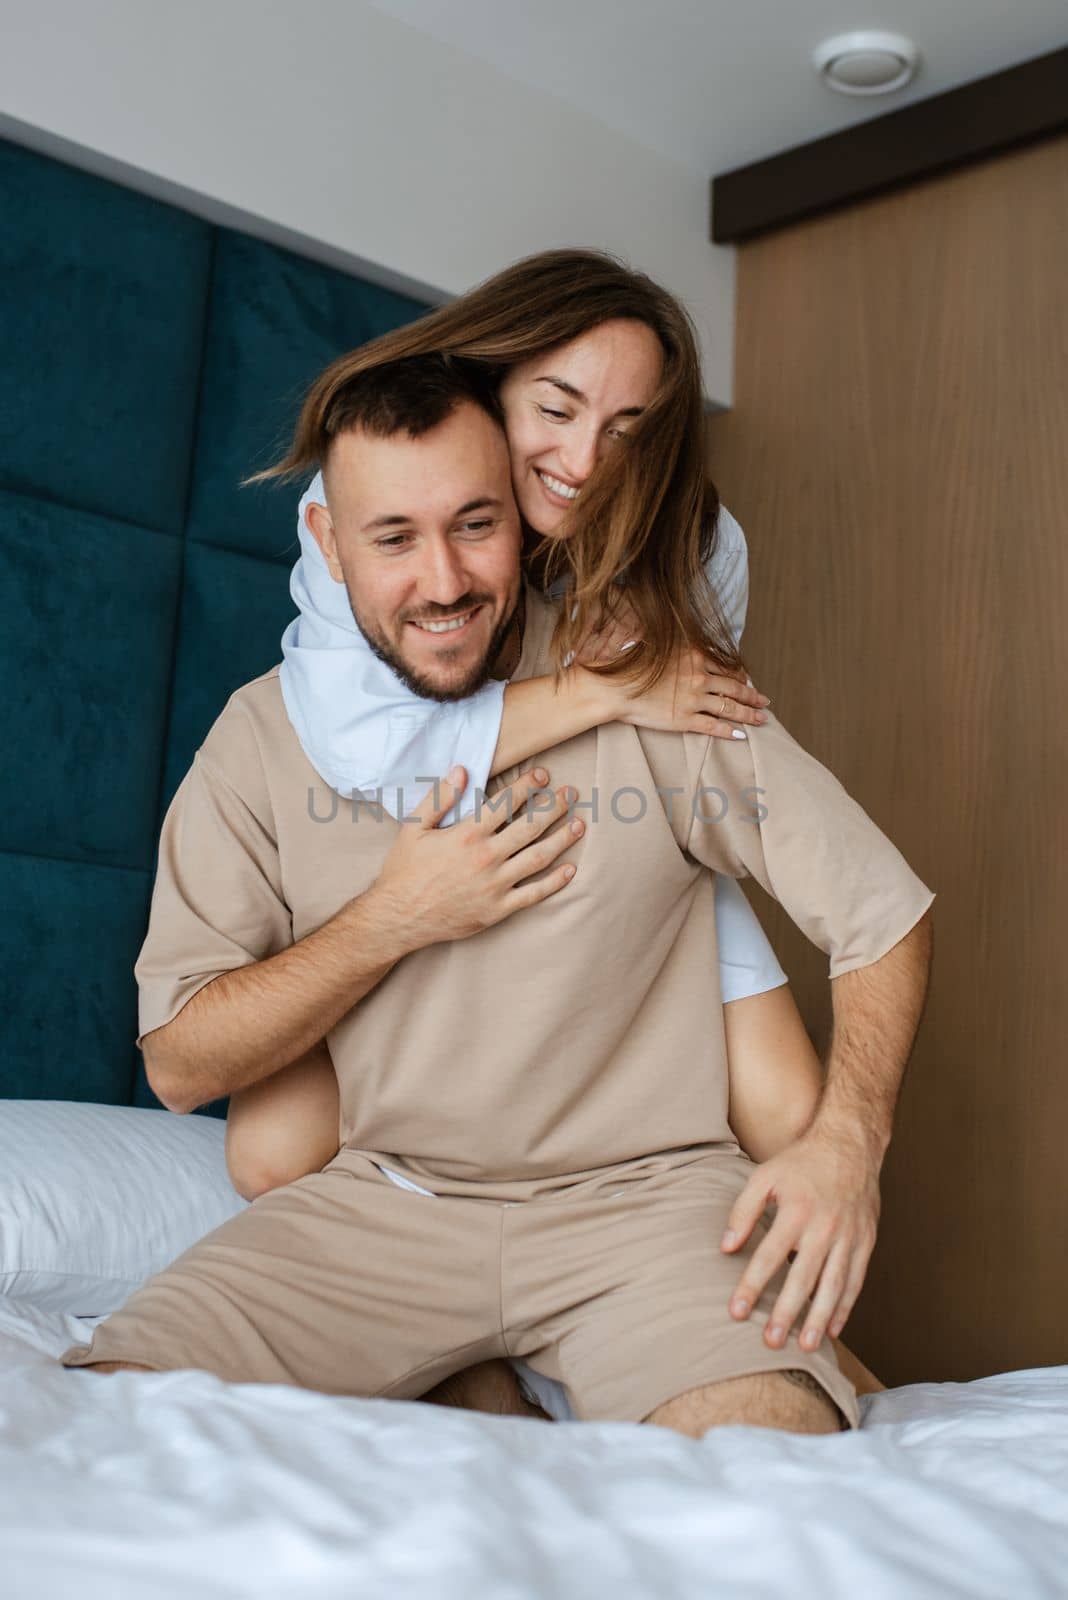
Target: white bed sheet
(171, 1486)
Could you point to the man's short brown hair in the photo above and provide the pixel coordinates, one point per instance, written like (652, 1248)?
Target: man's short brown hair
(412, 395)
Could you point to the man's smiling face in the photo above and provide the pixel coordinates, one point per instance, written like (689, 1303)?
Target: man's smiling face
(425, 535)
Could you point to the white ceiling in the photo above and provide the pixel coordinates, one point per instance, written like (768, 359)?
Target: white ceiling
(714, 84)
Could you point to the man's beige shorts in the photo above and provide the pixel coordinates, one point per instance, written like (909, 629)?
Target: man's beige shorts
(345, 1283)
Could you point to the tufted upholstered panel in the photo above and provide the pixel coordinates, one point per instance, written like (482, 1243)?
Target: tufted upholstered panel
(150, 361)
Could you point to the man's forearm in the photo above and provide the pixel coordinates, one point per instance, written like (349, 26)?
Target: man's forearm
(877, 1010)
(252, 1022)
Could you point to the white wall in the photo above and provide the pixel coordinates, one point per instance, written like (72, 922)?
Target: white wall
(370, 142)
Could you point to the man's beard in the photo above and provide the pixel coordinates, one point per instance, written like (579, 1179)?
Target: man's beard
(425, 687)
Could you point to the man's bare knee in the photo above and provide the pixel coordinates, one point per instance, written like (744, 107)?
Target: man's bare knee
(789, 1399)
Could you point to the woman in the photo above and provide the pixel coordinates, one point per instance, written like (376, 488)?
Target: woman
(598, 379)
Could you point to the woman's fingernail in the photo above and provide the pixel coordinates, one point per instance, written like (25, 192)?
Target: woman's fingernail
(738, 733)
(775, 1333)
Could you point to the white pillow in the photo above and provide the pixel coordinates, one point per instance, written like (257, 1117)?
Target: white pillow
(95, 1199)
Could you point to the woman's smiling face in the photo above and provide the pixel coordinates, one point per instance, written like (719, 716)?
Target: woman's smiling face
(567, 406)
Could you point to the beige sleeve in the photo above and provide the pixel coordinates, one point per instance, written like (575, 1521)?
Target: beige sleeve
(217, 903)
(773, 812)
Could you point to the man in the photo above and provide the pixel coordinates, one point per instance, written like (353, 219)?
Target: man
(556, 1079)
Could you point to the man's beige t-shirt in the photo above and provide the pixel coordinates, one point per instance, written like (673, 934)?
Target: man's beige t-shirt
(578, 1033)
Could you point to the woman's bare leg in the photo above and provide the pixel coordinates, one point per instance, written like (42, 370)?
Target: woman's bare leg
(114, 1366)
(285, 1126)
(775, 1083)
(490, 1386)
(774, 1073)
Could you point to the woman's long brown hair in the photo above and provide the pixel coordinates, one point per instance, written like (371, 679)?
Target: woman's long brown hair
(648, 513)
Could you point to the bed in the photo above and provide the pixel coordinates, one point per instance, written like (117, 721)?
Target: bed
(178, 1484)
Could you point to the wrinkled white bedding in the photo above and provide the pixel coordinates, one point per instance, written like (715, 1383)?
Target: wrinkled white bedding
(172, 1486)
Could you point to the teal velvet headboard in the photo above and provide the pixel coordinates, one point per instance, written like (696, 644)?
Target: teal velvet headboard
(150, 361)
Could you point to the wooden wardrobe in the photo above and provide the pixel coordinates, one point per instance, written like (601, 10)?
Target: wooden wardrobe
(897, 454)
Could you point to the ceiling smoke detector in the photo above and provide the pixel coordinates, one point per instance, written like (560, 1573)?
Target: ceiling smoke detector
(866, 63)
